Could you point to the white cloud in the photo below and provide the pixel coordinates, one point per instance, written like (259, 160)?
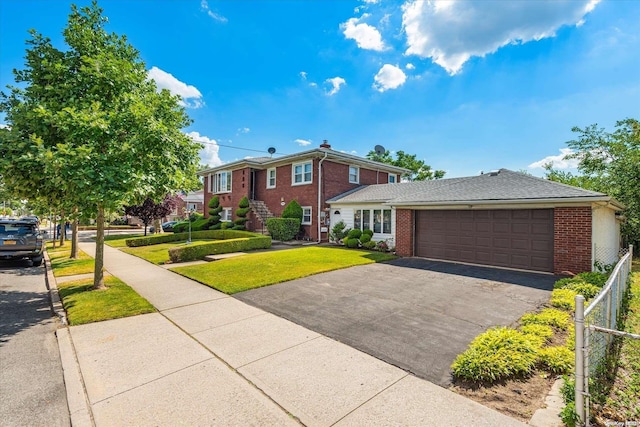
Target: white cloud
(191, 96)
(450, 32)
(371, 1)
(389, 77)
(204, 5)
(302, 142)
(558, 162)
(244, 130)
(365, 35)
(210, 148)
(410, 66)
(4, 126)
(335, 84)
(303, 75)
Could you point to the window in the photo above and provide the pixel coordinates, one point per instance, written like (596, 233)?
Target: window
(226, 215)
(302, 173)
(381, 218)
(221, 182)
(192, 207)
(354, 174)
(392, 178)
(306, 215)
(271, 178)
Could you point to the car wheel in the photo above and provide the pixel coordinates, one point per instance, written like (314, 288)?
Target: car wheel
(37, 261)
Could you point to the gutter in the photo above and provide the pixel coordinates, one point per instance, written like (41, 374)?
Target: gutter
(326, 154)
(475, 203)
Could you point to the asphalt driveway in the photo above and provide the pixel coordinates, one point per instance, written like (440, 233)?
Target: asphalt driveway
(413, 313)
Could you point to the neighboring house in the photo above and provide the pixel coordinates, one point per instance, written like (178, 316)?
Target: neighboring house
(501, 218)
(192, 201)
(310, 177)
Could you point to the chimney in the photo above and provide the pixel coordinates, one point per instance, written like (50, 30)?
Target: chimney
(325, 144)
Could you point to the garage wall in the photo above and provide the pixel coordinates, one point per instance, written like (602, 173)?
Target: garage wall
(606, 235)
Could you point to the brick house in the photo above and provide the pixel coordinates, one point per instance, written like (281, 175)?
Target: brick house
(310, 177)
(501, 218)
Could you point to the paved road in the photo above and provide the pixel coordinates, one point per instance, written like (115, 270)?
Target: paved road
(413, 313)
(32, 391)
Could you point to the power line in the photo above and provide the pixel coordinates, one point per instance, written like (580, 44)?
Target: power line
(239, 148)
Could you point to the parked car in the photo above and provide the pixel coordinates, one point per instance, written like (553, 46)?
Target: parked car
(167, 227)
(21, 238)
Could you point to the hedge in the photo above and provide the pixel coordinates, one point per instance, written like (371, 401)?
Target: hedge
(176, 237)
(283, 228)
(199, 251)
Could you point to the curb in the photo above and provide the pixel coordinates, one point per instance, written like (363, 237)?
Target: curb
(77, 399)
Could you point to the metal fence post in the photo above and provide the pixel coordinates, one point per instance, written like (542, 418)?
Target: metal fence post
(579, 389)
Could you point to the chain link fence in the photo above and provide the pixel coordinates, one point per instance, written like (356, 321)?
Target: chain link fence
(595, 330)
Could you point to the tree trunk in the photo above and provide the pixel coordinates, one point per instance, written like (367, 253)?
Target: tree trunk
(74, 239)
(98, 275)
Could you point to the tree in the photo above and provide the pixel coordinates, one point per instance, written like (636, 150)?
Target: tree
(419, 170)
(609, 163)
(90, 122)
(214, 213)
(241, 214)
(150, 210)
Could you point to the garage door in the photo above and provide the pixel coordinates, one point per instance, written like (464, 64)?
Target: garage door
(516, 238)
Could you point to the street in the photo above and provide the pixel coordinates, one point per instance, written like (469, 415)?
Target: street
(32, 391)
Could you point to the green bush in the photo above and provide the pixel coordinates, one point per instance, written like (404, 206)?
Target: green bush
(181, 227)
(369, 245)
(352, 242)
(560, 284)
(241, 214)
(592, 277)
(587, 290)
(543, 331)
(354, 234)
(293, 210)
(367, 232)
(564, 299)
(214, 213)
(365, 238)
(283, 228)
(549, 316)
(176, 237)
(200, 250)
(557, 360)
(496, 354)
(339, 231)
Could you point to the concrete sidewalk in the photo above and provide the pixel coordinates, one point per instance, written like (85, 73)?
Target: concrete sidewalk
(208, 359)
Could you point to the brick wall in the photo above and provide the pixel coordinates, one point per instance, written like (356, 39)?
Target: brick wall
(572, 239)
(404, 232)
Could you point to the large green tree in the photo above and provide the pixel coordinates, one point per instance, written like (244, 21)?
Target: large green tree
(609, 163)
(420, 171)
(86, 119)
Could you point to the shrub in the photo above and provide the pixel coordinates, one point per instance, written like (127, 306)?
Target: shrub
(181, 226)
(351, 242)
(176, 237)
(293, 210)
(367, 232)
(214, 213)
(496, 354)
(568, 414)
(548, 316)
(587, 290)
(543, 331)
(592, 277)
(241, 214)
(559, 284)
(365, 238)
(557, 360)
(339, 231)
(200, 250)
(382, 246)
(354, 234)
(564, 299)
(283, 228)
(369, 245)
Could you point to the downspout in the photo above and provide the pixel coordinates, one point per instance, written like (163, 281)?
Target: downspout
(320, 193)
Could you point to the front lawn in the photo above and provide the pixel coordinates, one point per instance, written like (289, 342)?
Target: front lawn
(84, 305)
(62, 265)
(267, 268)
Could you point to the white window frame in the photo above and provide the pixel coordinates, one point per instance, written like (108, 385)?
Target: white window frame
(306, 209)
(217, 181)
(370, 215)
(354, 178)
(302, 174)
(227, 215)
(269, 171)
(392, 178)
(193, 207)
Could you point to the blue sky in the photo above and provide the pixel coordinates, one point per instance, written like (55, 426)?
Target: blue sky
(465, 85)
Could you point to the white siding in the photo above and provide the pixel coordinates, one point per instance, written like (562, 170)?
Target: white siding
(346, 215)
(605, 235)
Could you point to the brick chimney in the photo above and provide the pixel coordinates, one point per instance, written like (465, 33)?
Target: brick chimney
(325, 144)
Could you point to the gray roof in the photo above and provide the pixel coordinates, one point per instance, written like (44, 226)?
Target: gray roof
(494, 187)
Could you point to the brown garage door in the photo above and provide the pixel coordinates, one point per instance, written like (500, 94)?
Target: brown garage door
(515, 238)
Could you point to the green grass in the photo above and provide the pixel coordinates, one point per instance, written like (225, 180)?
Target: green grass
(267, 268)
(157, 254)
(84, 305)
(62, 265)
